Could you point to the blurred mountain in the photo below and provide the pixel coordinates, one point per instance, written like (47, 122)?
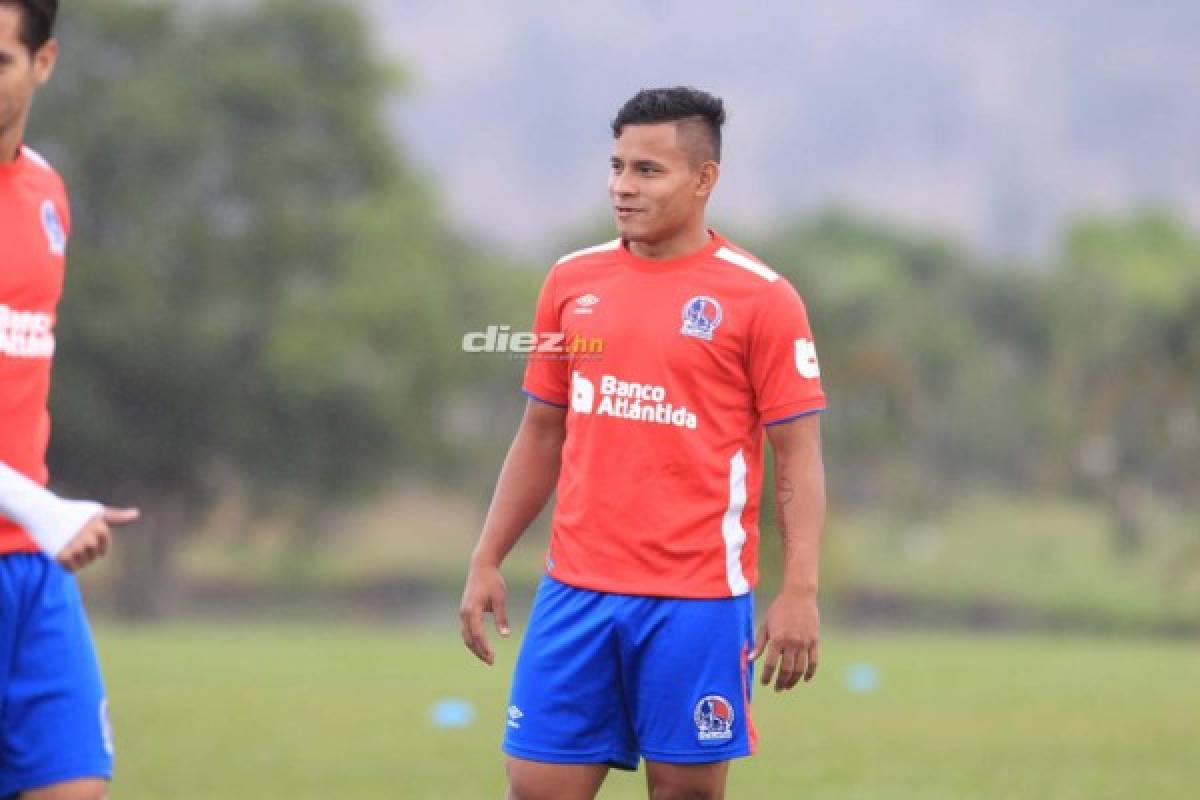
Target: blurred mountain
(990, 122)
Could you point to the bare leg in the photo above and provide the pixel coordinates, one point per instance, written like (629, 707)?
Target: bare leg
(87, 789)
(686, 781)
(536, 780)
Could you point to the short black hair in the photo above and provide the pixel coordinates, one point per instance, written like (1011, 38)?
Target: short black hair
(681, 104)
(37, 21)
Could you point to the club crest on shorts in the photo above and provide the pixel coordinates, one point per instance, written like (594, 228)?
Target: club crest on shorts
(714, 719)
(701, 316)
(56, 234)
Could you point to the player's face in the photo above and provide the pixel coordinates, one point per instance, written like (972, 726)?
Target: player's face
(655, 188)
(20, 74)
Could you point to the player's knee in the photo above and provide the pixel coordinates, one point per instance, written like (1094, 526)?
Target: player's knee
(684, 793)
(682, 790)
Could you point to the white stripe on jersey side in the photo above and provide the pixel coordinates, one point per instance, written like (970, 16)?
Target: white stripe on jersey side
(747, 264)
(731, 526)
(587, 251)
(35, 156)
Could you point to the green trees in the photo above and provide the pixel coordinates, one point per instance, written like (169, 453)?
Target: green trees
(946, 373)
(1128, 367)
(258, 288)
(262, 292)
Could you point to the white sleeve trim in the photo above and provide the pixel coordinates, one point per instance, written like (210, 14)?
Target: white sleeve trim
(748, 264)
(50, 521)
(587, 251)
(35, 157)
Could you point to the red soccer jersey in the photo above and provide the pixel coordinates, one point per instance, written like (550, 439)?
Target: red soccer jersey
(34, 221)
(662, 466)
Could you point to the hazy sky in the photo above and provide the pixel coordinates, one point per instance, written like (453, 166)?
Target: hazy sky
(993, 122)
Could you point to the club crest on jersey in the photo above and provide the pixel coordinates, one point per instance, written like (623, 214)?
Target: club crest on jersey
(56, 235)
(701, 316)
(713, 716)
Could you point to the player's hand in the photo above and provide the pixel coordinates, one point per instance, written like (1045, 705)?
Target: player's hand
(485, 592)
(94, 538)
(789, 638)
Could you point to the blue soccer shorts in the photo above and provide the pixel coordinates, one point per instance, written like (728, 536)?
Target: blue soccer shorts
(608, 678)
(53, 712)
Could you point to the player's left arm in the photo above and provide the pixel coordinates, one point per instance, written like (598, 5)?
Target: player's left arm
(788, 638)
(786, 379)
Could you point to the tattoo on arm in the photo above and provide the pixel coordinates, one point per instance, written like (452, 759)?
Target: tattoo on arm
(784, 492)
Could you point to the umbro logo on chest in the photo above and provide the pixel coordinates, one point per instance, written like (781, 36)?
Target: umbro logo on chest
(585, 304)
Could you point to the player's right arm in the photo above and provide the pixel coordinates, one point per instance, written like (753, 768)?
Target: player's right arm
(526, 482)
(73, 532)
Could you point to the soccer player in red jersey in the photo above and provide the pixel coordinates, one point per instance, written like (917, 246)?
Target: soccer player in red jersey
(641, 641)
(55, 743)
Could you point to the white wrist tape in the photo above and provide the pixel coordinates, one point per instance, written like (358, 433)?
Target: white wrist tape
(51, 521)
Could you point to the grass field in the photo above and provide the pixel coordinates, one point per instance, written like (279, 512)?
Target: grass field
(289, 713)
(1039, 560)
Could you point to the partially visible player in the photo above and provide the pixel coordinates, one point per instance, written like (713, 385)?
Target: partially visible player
(641, 639)
(55, 742)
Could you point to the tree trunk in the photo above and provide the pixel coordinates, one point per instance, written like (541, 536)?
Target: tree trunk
(145, 588)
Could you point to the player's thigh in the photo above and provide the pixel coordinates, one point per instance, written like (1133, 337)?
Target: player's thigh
(89, 789)
(686, 781)
(536, 780)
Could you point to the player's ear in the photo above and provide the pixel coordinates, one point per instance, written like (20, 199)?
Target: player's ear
(707, 177)
(44, 60)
